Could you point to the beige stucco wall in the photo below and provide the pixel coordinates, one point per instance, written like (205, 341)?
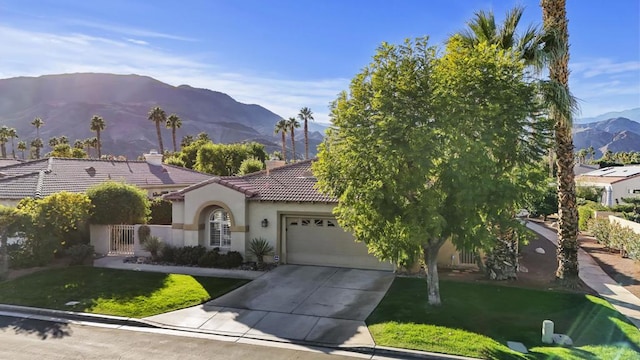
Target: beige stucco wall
(99, 238)
(619, 190)
(9, 202)
(625, 223)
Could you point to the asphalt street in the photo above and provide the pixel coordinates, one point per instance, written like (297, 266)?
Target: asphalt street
(38, 339)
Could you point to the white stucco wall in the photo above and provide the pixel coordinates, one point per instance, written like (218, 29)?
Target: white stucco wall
(625, 223)
(616, 190)
(99, 238)
(9, 202)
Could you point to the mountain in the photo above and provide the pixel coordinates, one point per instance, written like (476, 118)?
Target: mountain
(616, 134)
(633, 114)
(67, 102)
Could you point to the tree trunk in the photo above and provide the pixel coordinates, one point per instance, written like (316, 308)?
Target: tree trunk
(306, 140)
(13, 149)
(3, 150)
(293, 146)
(173, 134)
(430, 252)
(284, 147)
(99, 144)
(159, 138)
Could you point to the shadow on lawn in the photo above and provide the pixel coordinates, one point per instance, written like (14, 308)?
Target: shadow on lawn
(43, 329)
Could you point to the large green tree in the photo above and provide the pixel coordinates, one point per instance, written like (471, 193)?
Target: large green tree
(118, 203)
(305, 115)
(173, 123)
(158, 116)
(554, 17)
(226, 159)
(282, 127)
(97, 125)
(440, 145)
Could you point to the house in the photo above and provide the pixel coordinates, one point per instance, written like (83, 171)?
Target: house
(618, 182)
(39, 178)
(281, 205)
(579, 169)
(6, 162)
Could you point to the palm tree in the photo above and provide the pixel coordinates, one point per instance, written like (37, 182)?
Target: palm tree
(78, 144)
(37, 122)
(97, 125)
(158, 116)
(93, 142)
(292, 124)
(36, 144)
(4, 138)
(53, 142)
(581, 156)
(591, 152)
(305, 115)
(22, 147)
(282, 127)
(87, 143)
(13, 134)
(173, 123)
(554, 18)
(63, 140)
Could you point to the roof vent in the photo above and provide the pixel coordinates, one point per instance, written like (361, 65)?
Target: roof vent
(3, 175)
(153, 158)
(90, 170)
(272, 164)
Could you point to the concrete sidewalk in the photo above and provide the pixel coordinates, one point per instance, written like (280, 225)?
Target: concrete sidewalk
(593, 275)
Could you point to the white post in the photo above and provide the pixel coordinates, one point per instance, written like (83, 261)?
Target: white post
(547, 331)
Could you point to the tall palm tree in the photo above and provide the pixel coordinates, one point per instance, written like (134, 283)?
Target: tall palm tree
(282, 127)
(554, 18)
(173, 123)
(97, 125)
(78, 144)
(157, 115)
(4, 138)
(13, 134)
(37, 122)
(305, 115)
(36, 145)
(63, 140)
(22, 147)
(53, 142)
(93, 142)
(293, 124)
(592, 152)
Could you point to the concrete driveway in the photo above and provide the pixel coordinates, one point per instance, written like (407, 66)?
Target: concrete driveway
(305, 303)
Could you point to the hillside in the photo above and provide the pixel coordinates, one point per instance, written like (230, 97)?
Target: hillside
(67, 102)
(616, 134)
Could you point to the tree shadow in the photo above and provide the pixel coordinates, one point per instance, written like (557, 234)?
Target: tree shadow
(41, 328)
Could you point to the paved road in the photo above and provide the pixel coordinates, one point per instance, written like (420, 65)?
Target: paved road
(36, 339)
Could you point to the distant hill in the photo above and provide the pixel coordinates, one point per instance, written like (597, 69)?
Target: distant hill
(67, 102)
(632, 114)
(616, 134)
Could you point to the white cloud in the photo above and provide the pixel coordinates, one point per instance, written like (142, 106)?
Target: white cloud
(125, 30)
(602, 66)
(30, 53)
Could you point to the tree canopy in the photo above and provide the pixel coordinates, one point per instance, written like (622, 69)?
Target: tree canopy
(118, 203)
(443, 145)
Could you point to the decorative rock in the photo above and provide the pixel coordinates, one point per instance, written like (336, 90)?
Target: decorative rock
(517, 346)
(540, 251)
(72, 303)
(562, 339)
(522, 268)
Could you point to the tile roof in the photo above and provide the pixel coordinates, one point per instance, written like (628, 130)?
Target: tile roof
(288, 183)
(5, 162)
(77, 175)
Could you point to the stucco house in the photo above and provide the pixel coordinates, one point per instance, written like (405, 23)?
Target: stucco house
(617, 182)
(281, 205)
(39, 178)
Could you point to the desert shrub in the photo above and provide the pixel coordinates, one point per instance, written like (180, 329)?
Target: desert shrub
(154, 245)
(600, 229)
(585, 213)
(168, 254)
(213, 259)
(619, 236)
(118, 203)
(232, 259)
(79, 253)
(258, 248)
(210, 259)
(143, 233)
(189, 255)
(633, 247)
(160, 212)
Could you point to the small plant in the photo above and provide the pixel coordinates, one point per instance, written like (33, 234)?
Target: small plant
(144, 231)
(259, 247)
(154, 245)
(80, 253)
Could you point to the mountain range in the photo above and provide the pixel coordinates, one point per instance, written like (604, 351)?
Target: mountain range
(615, 134)
(66, 103)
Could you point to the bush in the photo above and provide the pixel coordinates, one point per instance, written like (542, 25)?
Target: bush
(258, 248)
(210, 259)
(168, 254)
(250, 165)
(213, 259)
(600, 229)
(118, 203)
(591, 193)
(189, 255)
(79, 253)
(154, 245)
(160, 212)
(585, 213)
(143, 233)
(233, 259)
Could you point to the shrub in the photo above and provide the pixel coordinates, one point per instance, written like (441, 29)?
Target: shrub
(633, 247)
(591, 193)
(258, 248)
(600, 229)
(79, 253)
(210, 259)
(154, 245)
(143, 233)
(250, 165)
(189, 255)
(168, 254)
(233, 259)
(585, 213)
(118, 203)
(19, 256)
(160, 212)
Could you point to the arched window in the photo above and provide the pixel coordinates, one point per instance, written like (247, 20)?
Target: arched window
(219, 229)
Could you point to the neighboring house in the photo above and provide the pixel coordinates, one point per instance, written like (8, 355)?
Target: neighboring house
(281, 205)
(579, 169)
(617, 182)
(40, 178)
(6, 162)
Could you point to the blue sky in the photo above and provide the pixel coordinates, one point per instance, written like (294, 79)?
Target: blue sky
(285, 54)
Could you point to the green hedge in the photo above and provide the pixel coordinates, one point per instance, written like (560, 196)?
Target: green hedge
(616, 237)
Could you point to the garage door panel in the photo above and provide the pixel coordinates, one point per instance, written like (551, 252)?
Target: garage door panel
(320, 241)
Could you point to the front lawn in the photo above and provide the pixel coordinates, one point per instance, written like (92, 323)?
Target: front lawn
(113, 292)
(477, 320)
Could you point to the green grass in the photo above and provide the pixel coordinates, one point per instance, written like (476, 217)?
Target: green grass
(477, 320)
(113, 292)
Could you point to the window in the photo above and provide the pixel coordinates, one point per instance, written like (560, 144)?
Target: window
(331, 223)
(219, 229)
(318, 222)
(305, 222)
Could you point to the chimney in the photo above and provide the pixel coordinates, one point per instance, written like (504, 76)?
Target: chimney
(272, 164)
(153, 158)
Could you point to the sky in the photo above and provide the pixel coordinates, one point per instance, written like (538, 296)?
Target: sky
(286, 54)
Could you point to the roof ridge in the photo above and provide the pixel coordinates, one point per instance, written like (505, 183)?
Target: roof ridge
(23, 163)
(40, 184)
(279, 168)
(19, 176)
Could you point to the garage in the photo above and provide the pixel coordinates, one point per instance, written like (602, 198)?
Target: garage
(318, 240)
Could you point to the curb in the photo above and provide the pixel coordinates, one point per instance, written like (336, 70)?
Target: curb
(141, 323)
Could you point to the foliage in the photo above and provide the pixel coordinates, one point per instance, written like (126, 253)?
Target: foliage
(9, 224)
(154, 245)
(79, 253)
(600, 229)
(592, 193)
(616, 237)
(161, 212)
(66, 151)
(633, 213)
(250, 165)
(545, 204)
(113, 292)
(168, 254)
(144, 231)
(225, 159)
(465, 126)
(118, 203)
(175, 161)
(188, 255)
(259, 248)
(585, 212)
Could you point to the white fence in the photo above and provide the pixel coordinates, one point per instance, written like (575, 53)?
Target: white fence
(123, 239)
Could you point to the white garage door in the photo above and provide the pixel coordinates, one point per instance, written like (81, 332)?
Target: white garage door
(320, 241)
